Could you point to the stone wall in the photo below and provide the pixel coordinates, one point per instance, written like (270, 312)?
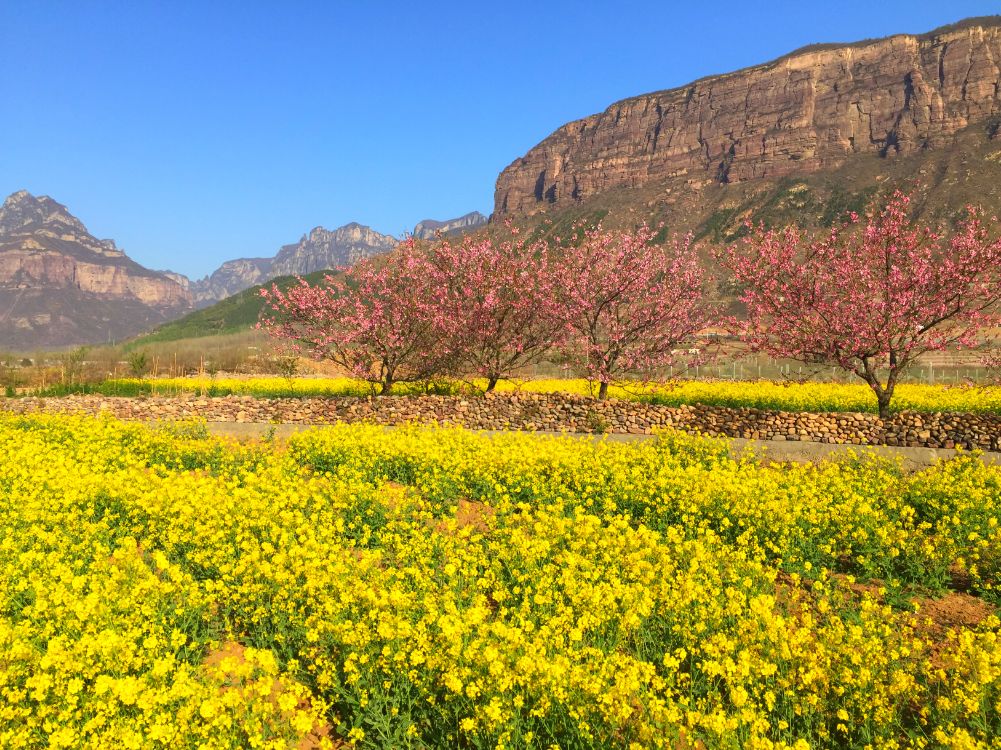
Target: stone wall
(548, 412)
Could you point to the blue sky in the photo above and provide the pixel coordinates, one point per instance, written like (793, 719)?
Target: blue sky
(196, 132)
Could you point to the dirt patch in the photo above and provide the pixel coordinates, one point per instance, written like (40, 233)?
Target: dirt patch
(235, 652)
(394, 495)
(684, 742)
(954, 611)
(873, 588)
(315, 738)
(936, 619)
(961, 580)
(475, 514)
(469, 514)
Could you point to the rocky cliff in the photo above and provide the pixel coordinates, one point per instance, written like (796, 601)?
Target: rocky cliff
(430, 228)
(811, 111)
(231, 277)
(59, 285)
(320, 249)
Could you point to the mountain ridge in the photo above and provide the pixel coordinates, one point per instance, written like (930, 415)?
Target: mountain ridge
(984, 21)
(60, 285)
(428, 229)
(808, 111)
(318, 249)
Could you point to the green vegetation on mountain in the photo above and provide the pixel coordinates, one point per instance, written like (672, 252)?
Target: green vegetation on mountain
(233, 314)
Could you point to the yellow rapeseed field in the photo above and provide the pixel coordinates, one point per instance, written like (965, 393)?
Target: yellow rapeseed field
(434, 588)
(812, 397)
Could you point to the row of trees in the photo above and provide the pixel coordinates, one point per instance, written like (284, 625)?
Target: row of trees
(609, 304)
(869, 296)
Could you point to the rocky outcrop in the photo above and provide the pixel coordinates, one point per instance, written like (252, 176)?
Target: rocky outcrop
(429, 228)
(180, 278)
(52, 268)
(22, 212)
(319, 250)
(323, 249)
(231, 277)
(809, 111)
(34, 263)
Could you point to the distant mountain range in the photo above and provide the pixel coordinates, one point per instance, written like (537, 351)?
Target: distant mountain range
(318, 250)
(429, 228)
(61, 286)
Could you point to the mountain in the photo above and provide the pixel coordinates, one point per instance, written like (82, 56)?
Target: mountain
(429, 228)
(814, 132)
(61, 286)
(320, 249)
(231, 277)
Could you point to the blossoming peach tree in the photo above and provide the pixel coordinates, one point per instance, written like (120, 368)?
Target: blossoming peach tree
(614, 302)
(627, 303)
(496, 299)
(870, 296)
(380, 320)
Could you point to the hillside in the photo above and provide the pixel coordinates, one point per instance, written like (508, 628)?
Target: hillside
(236, 313)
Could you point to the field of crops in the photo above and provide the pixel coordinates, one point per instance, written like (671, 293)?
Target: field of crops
(812, 397)
(439, 589)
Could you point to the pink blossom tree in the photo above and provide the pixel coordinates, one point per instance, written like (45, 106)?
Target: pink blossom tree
(497, 301)
(992, 361)
(379, 321)
(868, 297)
(626, 303)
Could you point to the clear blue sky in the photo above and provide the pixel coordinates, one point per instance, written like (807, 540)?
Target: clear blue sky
(195, 132)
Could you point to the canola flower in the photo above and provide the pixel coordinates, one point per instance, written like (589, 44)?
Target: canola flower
(809, 397)
(435, 588)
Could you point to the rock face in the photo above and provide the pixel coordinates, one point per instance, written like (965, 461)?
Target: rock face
(318, 250)
(322, 249)
(23, 212)
(811, 110)
(231, 277)
(59, 285)
(429, 228)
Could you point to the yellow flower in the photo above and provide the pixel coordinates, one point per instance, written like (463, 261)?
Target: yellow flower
(207, 709)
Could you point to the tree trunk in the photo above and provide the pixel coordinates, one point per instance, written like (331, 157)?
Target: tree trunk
(491, 383)
(387, 386)
(883, 398)
(603, 390)
(884, 394)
